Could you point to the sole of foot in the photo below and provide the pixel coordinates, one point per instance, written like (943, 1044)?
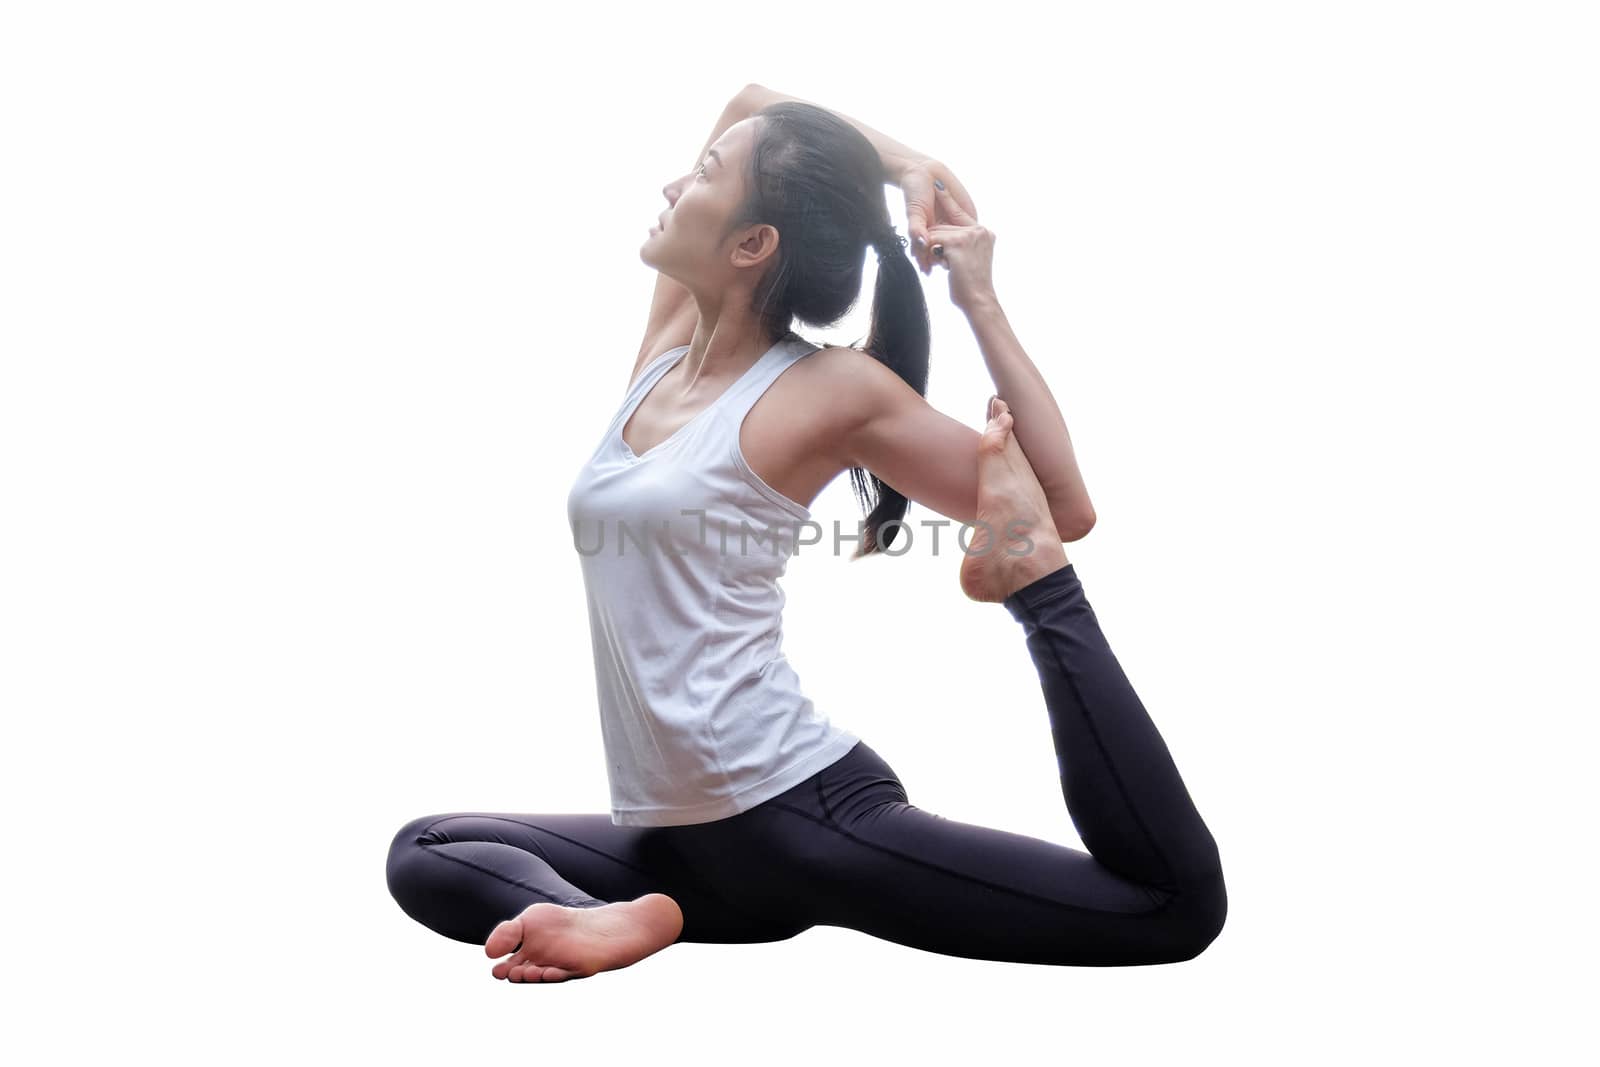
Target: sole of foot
(1015, 541)
(551, 943)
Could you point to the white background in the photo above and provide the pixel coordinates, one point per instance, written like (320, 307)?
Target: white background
(312, 311)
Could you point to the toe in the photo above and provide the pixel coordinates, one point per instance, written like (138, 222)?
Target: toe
(505, 939)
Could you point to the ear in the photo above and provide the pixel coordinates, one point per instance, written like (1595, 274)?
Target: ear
(759, 246)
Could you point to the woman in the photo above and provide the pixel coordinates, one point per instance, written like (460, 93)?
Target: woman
(739, 812)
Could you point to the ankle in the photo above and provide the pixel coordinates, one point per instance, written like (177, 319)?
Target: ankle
(1044, 558)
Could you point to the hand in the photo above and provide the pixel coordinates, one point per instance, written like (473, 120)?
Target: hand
(966, 248)
(922, 205)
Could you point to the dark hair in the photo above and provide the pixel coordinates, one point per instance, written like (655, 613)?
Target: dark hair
(820, 182)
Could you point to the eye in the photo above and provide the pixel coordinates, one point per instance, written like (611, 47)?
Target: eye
(703, 170)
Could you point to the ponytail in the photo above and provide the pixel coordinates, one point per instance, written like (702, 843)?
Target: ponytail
(899, 338)
(819, 181)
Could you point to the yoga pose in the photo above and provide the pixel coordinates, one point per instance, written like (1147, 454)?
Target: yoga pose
(740, 813)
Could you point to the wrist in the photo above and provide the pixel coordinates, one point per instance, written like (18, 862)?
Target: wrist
(895, 165)
(895, 158)
(986, 305)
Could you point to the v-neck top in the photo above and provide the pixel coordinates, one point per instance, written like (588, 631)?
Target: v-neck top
(682, 548)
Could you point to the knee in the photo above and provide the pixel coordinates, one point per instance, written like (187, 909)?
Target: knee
(411, 833)
(1201, 913)
(402, 849)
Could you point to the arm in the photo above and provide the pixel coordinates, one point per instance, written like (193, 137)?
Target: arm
(673, 313)
(1040, 429)
(924, 453)
(912, 171)
(881, 423)
(896, 157)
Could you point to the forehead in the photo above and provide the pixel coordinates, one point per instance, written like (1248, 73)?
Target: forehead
(736, 139)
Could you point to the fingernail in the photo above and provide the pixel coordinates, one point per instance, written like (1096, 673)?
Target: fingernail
(937, 184)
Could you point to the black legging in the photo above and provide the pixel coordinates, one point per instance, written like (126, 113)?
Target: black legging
(846, 848)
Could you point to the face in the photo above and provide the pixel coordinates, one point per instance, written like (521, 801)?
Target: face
(686, 242)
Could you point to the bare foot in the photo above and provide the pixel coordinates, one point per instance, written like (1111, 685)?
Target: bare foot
(1012, 511)
(551, 943)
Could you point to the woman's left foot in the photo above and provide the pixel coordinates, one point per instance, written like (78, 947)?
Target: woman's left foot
(1012, 512)
(552, 943)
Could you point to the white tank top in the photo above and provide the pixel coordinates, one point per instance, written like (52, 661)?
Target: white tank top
(701, 715)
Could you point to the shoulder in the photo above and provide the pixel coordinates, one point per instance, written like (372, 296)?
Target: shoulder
(821, 403)
(852, 371)
(857, 384)
(649, 356)
(833, 394)
(852, 397)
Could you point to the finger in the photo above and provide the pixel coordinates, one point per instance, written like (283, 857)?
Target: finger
(920, 210)
(927, 219)
(919, 243)
(916, 224)
(946, 202)
(941, 240)
(963, 198)
(916, 232)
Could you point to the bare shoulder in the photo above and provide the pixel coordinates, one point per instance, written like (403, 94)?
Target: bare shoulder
(853, 367)
(825, 398)
(807, 409)
(855, 383)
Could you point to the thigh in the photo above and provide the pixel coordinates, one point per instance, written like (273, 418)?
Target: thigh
(608, 863)
(870, 860)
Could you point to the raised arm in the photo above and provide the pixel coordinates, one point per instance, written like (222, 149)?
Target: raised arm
(673, 313)
(881, 423)
(887, 427)
(910, 170)
(1041, 429)
(896, 157)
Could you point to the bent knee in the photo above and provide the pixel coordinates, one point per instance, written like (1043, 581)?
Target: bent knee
(399, 863)
(1201, 913)
(411, 832)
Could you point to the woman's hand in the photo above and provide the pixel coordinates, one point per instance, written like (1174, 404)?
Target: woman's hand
(966, 248)
(923, 208)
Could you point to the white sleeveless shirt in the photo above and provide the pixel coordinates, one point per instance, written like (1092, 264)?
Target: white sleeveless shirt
(701, 715)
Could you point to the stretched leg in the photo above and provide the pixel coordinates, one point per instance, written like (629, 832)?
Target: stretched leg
(1122, 788)
(1148, 890)
(466, 874)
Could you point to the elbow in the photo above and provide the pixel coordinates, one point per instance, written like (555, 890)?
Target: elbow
(1076, 525)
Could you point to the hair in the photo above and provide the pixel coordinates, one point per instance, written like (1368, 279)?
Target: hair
(819, 180)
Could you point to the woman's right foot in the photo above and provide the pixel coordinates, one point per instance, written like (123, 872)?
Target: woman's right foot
(1012, 511)
(551, 943)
